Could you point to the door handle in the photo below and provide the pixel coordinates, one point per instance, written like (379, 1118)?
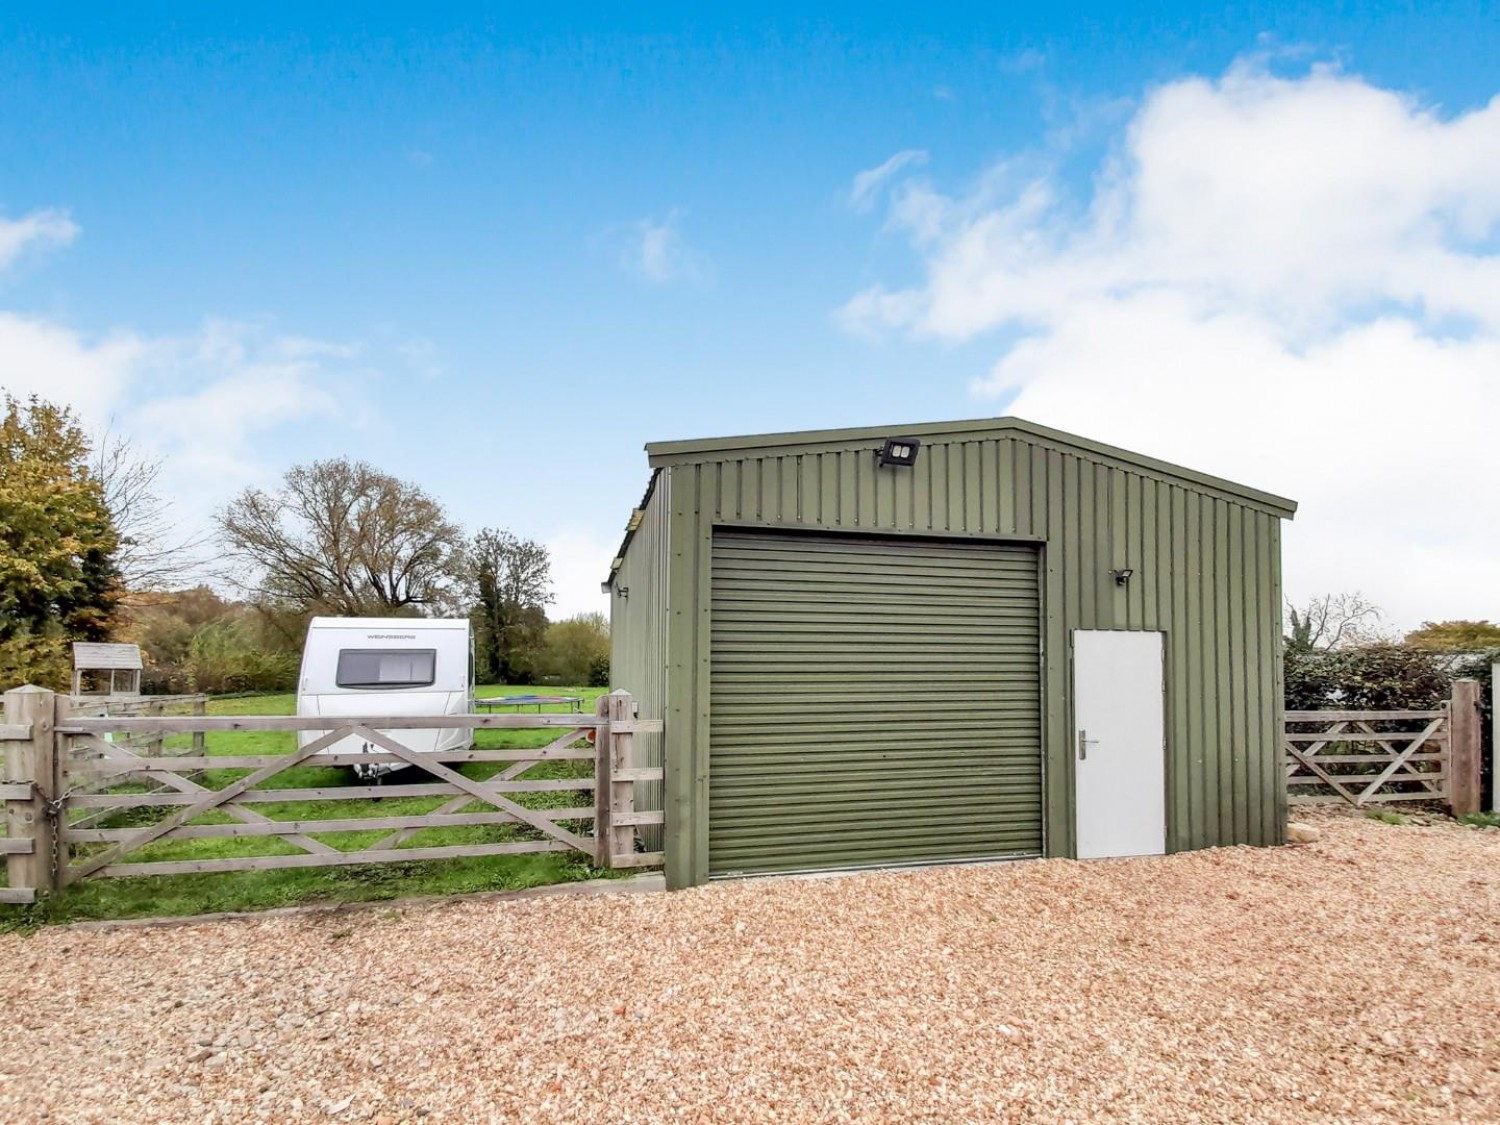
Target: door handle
(1083, 744)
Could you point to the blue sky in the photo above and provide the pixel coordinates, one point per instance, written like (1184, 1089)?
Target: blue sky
(497, 252)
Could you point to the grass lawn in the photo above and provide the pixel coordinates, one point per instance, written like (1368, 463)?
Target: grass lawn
(257, 890)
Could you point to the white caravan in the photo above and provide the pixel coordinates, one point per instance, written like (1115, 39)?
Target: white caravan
(387, 666)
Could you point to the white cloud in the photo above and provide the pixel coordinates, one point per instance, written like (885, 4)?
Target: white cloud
(867, 184)
(1023, 62)
(43, 358)
(38, 228)
(1291, 282)
(656, 250)
(206, 402)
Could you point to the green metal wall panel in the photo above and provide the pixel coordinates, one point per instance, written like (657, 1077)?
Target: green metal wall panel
(1206, 565)
(638, 638)
(871, 701)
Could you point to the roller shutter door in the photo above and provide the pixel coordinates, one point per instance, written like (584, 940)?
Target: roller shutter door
(872, 701)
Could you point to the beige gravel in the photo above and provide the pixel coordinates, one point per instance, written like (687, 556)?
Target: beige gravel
(1356, 979)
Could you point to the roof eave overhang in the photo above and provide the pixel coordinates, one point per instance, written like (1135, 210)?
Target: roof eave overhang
(637, 514)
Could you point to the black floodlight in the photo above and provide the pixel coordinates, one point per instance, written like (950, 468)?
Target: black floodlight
(1122, 576)
(899, 451)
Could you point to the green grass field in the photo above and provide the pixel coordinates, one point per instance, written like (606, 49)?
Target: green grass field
(159, 895)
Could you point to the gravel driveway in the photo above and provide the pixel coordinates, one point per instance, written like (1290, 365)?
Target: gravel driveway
(1356, 979)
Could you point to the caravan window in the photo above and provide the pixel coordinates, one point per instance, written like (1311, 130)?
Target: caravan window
(386, 667)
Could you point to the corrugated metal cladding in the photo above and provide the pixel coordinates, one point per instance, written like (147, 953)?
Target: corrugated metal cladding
(872, 701)
(638, 637)
(1205, 556)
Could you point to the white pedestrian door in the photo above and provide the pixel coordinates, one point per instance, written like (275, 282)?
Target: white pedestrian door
(1119, 744)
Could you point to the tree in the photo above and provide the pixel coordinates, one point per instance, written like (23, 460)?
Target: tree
(58, 576)
(576, 651)
(341, 537)
(195, 640)
(1455, 636)
(152, 556)
(164, 623)
(1333, 621)
(510, 584)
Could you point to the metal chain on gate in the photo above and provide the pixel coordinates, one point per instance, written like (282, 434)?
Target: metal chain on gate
(56, 807)
(57, 860)
(57, 813)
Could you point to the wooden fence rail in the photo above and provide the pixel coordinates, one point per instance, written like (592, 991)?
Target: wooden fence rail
(1383, 757)
(66, 774)
(152, 739)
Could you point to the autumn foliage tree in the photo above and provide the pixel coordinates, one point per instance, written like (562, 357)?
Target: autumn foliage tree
(1455, 636)
(343, 538)
(196, 640)
(58, 577)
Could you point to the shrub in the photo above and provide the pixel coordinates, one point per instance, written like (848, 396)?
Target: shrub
(599, 670)
(195, 642)
(576, 651)
(227, 656)
(1382, 677)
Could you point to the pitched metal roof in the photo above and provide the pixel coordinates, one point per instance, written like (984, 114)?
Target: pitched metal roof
(716, 449)
(662, 454)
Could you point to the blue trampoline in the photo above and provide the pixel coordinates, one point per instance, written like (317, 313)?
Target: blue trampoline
(572, 702)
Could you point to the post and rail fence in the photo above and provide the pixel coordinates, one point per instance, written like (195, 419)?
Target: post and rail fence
(154, 741)
(77, 787)
(1386, 757)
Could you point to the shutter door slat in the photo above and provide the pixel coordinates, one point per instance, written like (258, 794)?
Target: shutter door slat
(872, 701)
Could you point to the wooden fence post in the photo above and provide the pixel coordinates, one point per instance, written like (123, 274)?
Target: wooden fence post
(621, 793)
(1463, 748)
(157, 745)
(200, 708)
(1494, 740)
(30, 762)
(604, 768)
(614, 799)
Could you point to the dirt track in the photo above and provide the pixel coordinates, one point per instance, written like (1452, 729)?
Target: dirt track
(1356, 979)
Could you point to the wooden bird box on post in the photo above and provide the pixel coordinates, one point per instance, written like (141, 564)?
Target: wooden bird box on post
(118, 667)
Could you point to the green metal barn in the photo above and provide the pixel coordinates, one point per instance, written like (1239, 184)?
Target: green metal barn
(947, 642)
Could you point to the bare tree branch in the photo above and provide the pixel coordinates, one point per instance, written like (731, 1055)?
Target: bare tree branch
(342, 537)
(1330, 622)
(154, 555)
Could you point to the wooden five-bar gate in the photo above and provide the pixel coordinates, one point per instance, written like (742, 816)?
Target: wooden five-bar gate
(75, 798)
(1384, 757)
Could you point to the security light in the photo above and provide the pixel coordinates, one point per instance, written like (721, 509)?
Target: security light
(1122, 576)
(899, 451)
